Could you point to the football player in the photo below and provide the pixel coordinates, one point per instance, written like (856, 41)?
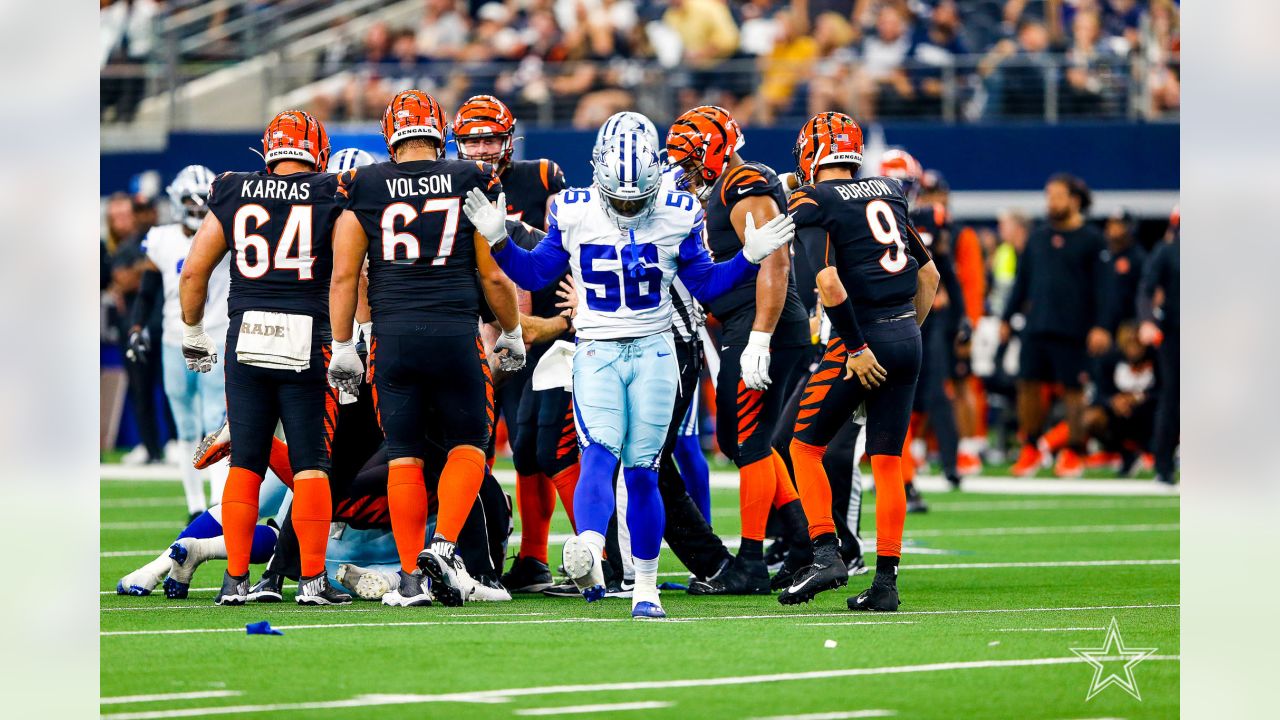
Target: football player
(277, 223)
(876, 284)
(765, 330)
(197, 400)
(427, 361)
(623, 241)
(540, 423)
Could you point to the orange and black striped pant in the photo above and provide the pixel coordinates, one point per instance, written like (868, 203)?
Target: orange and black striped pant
(746, 420)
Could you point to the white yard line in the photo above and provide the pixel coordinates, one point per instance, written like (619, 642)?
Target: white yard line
(838, 715)
(200, 695)
(462, 620)
(1053, 629)
(586, 709)
(508, 693)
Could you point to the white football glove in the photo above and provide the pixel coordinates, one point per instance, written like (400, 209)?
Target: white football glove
(510, 349)
(365, 333)
(198, 348)
(345, 368)
(755, 361)
(489, 218)
(760, 242)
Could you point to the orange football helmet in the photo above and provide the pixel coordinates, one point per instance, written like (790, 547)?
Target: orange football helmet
(295, 135)
(901, 166)
(829, 138)
(485, 116)
(700, 142)
(413, 113)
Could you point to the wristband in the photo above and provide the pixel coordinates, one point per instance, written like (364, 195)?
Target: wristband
(858, 352)
(845, 324)
(190, 331)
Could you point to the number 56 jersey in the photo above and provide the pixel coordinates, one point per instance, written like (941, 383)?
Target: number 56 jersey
(861, 228)
(422, 260)
(623, 276)
(279, 230)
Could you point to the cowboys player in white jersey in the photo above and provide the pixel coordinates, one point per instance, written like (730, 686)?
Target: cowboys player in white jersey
(197, 400)
(623, 240)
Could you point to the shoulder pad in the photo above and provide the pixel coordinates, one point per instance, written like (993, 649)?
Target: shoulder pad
(746, 180)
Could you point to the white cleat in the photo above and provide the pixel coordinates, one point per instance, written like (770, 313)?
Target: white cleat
(489, 590)
(450, 582)
(188, 554)
(367, 584)
(138, 583)
(410, 591)
(582, 565)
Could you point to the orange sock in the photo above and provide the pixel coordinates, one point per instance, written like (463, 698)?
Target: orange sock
(312, 513)
(756, 483)
(278, 461)
(407, 503)
(815, 489)
(459, 485)
(891, 504)
(785, 491)
(908, 472)
(239, 515)
(566, 482)
(536, 501)
(1057, 436)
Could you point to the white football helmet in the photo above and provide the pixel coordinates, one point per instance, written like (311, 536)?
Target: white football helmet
(628, 173)
(627, 121)
(189, 193)
(348, 159)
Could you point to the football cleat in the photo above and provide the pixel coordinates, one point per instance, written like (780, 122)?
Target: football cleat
(646, 610)
(1028, 463)
(215, 446)
(776, 554)
(138, 583)
(880, 597)
(562, 589)
(968, 464)
(527, 575)
(582, 565)
(367, 584)
(1069, 464)
(488, 588)
(450, 582)
(857, 566)
(269, 589)
(915, 501)
(316, 590)
(737, 577)
(411, 591)
(186, 556)
(621, 588)
(234, 591)
(827, 572)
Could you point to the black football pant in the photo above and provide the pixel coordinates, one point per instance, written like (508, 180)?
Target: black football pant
(1168, 405)
(931, 392)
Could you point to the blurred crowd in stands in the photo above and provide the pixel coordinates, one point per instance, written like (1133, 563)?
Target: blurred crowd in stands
(577, 61)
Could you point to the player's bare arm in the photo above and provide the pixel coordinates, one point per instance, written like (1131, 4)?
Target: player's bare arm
(349, 248)
(207, 249)
(771, 282)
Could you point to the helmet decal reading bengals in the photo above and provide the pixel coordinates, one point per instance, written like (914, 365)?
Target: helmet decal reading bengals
(829, 138)
(701, 141)
(296, 135)
(485, 116)
(413, 113)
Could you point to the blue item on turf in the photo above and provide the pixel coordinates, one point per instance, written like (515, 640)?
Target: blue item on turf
(594, 593)
(673, 586)
(261, 628)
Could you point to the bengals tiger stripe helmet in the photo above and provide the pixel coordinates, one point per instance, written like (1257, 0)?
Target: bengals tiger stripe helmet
(413, 114)
(828, 138)
(701, 142)
(296, 135)
(485, 116)
(903, 167)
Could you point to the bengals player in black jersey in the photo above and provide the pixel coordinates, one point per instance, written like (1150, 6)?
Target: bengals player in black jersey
(765, 332)
(540, 423)
(277, 223)
(427, 360)
(876, 283)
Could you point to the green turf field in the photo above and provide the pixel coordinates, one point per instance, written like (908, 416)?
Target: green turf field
(996, 591)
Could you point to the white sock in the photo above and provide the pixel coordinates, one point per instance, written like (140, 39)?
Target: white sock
(646, 581)
(218, 480)
(158, 567)
(214, 548)
(192, 483)
(594, 540)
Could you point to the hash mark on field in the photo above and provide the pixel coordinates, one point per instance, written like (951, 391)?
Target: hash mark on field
(200, 695)
(583, 709)
(838, 715)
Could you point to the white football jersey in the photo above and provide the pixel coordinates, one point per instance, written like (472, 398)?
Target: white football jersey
(613, 301)
(167, 247)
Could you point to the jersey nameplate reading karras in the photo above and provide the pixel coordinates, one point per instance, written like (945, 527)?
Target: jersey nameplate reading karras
(273, 189)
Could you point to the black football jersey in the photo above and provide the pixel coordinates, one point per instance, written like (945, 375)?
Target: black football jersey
(529, 184)
(932, 223)
(279, 230)
(422, 261)
(862, 229)
(736, 309)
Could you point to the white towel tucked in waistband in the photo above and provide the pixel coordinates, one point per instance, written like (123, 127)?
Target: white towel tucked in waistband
(279, 341)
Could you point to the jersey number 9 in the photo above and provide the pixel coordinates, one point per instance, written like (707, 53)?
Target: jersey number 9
(884, 228)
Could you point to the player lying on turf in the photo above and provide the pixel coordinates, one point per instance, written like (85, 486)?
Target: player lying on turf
(859, 235)
(623, 245)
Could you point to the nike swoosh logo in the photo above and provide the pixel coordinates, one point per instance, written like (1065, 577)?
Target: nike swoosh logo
(742, 190)
(797, 588)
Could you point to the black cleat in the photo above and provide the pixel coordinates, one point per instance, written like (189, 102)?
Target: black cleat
(915, 501)
(235, 590)
(565, 588)
(857, 565)
(270, 589)
(450, 583)
(527, 575)
(411, 592)
(880, 597)
(738, 577)
(827, 572)
(776, 554)
(316, 590)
